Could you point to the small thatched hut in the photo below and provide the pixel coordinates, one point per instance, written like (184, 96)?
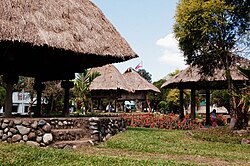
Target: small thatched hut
(191, 78)
(52, 40)
(141, 87)
(110, 84)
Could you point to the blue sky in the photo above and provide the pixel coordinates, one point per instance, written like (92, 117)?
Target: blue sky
(147, 25)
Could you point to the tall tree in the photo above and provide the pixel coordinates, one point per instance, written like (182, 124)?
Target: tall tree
(209, 32)
(145, 74)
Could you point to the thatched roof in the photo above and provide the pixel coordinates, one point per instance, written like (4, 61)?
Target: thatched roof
(190, 77)
(109, 80)
(70, 35)
(137, 82)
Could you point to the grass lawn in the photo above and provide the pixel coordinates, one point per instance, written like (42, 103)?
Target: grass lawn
(140, 146)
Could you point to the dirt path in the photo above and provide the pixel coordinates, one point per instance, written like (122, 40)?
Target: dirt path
(157, 156)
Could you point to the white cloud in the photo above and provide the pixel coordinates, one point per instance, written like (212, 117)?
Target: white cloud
(172, 56)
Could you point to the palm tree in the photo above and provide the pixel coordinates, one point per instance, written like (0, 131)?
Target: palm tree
(244, 98)
(81, 88)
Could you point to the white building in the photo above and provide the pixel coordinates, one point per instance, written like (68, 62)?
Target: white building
(20, 103)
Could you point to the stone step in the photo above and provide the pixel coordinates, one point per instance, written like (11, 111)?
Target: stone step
(72, 144)
(69, 134)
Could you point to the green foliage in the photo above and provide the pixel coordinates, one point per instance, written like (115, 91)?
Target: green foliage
(172, 74)
(156, 98)
(173, 99)
(208, 31)
(2, 95)
(162, 97)
(81, 88)
(145, 75)
(220, 98)
(163, 106)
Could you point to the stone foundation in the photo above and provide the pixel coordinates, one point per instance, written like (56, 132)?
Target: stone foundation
(48, 131)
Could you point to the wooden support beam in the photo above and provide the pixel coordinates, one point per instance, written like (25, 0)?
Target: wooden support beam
(10, 80)
(181, 103)
(39, 87)
(207, 106)
(193, 103)
(66, 85)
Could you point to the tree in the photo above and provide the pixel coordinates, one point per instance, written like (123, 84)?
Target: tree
(160, 96)
(220, 98)
(53, 93)
(145, 75)
(81, 88)
(156, 98)
(209, 31)
(173, 100)
(244, 98)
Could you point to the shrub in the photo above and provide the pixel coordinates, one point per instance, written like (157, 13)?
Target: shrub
(162, 121)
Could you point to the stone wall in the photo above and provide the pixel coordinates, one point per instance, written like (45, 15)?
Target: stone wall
(103, 128)
(47, 131)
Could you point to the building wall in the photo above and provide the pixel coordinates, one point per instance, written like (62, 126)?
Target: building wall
(20, 103)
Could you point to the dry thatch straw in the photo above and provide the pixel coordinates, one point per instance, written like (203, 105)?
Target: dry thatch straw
(137, 82)
(190, 77)
(69, 34)
(109, 80)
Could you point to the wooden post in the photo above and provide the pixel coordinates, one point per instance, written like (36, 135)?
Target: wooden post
(8, 101)
(39, 87)
(193, 103)
(123, 106)
(92, 105)
(181, 103)
(66, 85)
(109, 105)
(115, 105)
(207, 106)
(10, 80)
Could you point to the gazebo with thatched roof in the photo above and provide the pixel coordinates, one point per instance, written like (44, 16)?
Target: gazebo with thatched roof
(52, 40)
(191, 78)
(110, 84)
(141, 86)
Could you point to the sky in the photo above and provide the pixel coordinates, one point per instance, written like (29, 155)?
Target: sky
(147, 25)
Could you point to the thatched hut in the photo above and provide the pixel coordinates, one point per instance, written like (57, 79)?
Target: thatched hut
(110, 84)
(141, 87)
(52, 40)
(191, 78)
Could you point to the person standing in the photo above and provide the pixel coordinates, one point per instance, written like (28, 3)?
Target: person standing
(214, 123)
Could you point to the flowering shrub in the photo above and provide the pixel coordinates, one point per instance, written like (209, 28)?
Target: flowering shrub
(220, 119)
(157, 120)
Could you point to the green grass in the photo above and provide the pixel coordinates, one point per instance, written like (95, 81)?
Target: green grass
(178, 143)
(139, 146)
(20, 154)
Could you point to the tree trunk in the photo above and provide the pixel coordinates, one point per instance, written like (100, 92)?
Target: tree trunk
(232, 105)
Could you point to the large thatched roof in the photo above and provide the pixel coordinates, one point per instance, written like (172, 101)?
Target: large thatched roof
(137, 82)
(46, 36)
(110, 79)
(190, 77)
